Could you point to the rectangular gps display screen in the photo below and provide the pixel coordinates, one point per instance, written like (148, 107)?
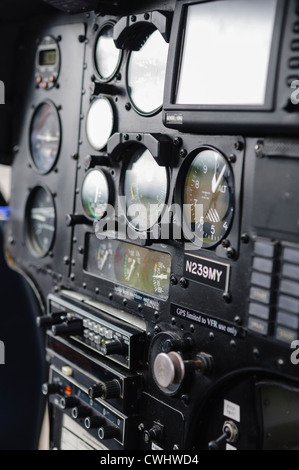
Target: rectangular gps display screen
(226, 53)
(47, 57)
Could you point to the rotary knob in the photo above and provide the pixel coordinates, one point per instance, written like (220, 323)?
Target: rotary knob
(68, 402)
(105, 390)
(108, 432)
(168, 369)
(72, 327)
(91, 422)
(114, 347)
(49, 320)
(81, 412)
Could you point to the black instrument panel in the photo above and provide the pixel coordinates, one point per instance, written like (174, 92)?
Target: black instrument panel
(158, 253)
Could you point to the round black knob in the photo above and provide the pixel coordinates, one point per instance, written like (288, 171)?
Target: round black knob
(153, 434)
(49, 320)
(105, 390)
(182, 344)
(108, 432)
(68, 402)
(94, 421)
(114, 347)
(48, 389)
(81, 412)
(72, 327)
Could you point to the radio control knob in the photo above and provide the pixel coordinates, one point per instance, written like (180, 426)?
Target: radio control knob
(68, 402)
(50, 388)
(81, 412)
(114, 347)
(108, 432)
(105, 390)
(49, 320)
(71, 327)
(94, 421)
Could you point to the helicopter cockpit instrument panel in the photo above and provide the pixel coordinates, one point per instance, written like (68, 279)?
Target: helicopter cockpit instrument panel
(155, 211)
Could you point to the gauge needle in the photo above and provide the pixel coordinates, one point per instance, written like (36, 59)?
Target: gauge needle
(160, 276)
(47, 138)
(104, 259)
(131, 269)
(216, 182)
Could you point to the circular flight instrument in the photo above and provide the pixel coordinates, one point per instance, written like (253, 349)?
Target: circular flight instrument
(95, 193)
(40, 221)
(209, 185)
(145, 189)
(45, 136)
(106, 55)
(146, 74)
(99, 123)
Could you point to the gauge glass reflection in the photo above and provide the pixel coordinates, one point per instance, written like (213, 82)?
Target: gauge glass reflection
(145, 190)
(209, 184)
(41, 221)
(107, 56)
(95, 193)
(45, 137)
(146, 74)
(99, 123)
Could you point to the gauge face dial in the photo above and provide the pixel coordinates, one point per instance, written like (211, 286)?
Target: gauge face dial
(95, 193)
(146, 74)
(209, 184)
(123, 263)
(41, 220)
(143, 269)
(99, 123)
(45, 137)
(145, 190)
(106, 55)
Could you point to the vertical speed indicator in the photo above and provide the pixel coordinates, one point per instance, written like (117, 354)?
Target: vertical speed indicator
(208, 197)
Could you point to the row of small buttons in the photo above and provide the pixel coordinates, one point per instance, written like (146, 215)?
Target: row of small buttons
(272, 299)
(93, 328)
(294, 61)
(287, 318)
(261, 287)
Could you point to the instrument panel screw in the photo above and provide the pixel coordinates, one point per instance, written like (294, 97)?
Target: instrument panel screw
(238, 145)
(232, 158)
(245, 238)
(258, 148)
(173, 280)
(184, 282)
(177, 141)
(128, 106)
(183, 153)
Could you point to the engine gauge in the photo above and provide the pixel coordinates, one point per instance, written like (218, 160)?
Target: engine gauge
(146, 74)
(95, 193)
(209, 183)
(40, 221)
(99, 123)
(45, 136)
(106, 55)
(145, 190)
